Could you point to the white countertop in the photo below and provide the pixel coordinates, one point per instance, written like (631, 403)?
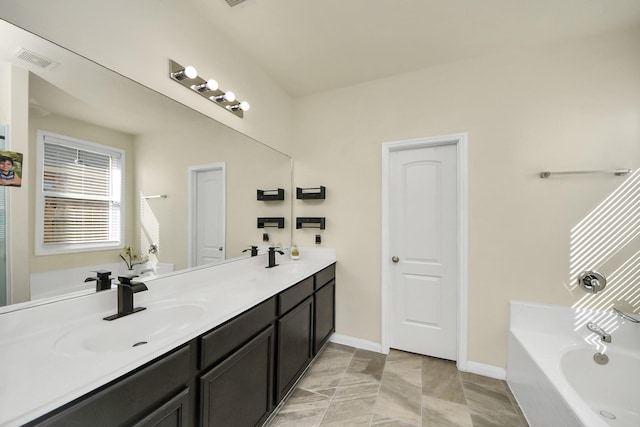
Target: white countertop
(42, 367)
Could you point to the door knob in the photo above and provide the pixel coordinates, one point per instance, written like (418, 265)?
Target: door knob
(220, 248)
(395, 258)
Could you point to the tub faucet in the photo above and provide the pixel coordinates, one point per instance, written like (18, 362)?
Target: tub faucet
(126, 289)
(598, 330)
(103, 281)
(272, 256)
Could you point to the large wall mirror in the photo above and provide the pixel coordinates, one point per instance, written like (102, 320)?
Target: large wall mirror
(173, 154)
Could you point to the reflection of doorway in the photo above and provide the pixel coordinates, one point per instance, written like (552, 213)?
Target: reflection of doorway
(424, 247)
(207, 214)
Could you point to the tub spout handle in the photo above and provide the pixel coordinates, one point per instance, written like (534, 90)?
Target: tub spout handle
(598, 330)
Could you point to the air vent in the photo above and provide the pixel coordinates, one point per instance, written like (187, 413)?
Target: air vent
(234, 2)
(36, 59)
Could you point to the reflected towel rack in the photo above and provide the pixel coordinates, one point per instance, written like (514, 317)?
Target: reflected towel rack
(618, 172)
(315, 222)
(271, 222)
(156, 196)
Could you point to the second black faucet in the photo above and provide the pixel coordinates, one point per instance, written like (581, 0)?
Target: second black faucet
(272, 257)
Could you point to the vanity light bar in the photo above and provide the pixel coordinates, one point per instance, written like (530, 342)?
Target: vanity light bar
(188, 77)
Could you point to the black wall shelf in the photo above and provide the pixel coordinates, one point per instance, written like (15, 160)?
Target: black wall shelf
(272, 222)
(315, 193)
(311, 222)
(267, 195)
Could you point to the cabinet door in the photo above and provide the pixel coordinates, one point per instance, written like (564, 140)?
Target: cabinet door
(295, 344)
(325, 317)
(239, 391)
(174, 413)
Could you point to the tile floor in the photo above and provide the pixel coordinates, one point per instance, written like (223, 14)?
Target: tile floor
(351, 387)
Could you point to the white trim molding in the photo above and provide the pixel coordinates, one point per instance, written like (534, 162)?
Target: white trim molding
(356, 342)
(486, 370)
(471, 366)
(460, 141)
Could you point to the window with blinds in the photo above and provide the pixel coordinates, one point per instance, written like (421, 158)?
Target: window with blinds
(79, 195)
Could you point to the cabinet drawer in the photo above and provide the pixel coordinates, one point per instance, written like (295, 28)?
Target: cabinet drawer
(295, 295)
(123, 402)
(325, 275)
(224, 339)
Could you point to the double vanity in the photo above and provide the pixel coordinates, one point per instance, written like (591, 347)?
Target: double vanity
(220, 345)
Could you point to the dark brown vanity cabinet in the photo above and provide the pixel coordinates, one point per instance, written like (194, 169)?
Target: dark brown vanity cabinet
(233, 375)
(154, 395)
(306, 322)
(237, 381)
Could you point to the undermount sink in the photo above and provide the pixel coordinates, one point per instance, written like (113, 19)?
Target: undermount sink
(156, 322)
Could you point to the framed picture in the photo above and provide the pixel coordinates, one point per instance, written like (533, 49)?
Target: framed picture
(11, 169)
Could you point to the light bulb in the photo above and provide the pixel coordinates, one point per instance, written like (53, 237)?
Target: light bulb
(229, 96)
(240, 106)
(212, 84)
(188, 72)
(208, 85)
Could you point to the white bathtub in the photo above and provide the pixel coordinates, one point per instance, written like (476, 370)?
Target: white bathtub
(554, 377)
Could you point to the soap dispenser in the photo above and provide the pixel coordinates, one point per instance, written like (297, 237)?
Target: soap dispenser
(295, 254)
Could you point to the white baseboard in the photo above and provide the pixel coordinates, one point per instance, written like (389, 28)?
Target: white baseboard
(356, 342)
(486, 370)
(472, 367)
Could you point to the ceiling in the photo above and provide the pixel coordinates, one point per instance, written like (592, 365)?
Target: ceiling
(310, 46)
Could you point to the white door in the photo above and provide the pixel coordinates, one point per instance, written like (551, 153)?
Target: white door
(423, 248)
(208, 207)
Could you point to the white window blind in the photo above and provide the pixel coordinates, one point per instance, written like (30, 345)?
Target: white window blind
(80, 193)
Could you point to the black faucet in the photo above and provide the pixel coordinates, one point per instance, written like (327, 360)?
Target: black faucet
(126, 289)
(253, 249)
(272, 257)
(103, 281)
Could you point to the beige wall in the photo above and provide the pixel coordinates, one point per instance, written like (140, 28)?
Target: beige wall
(5, 87)
(569, 107)
(19, 201)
